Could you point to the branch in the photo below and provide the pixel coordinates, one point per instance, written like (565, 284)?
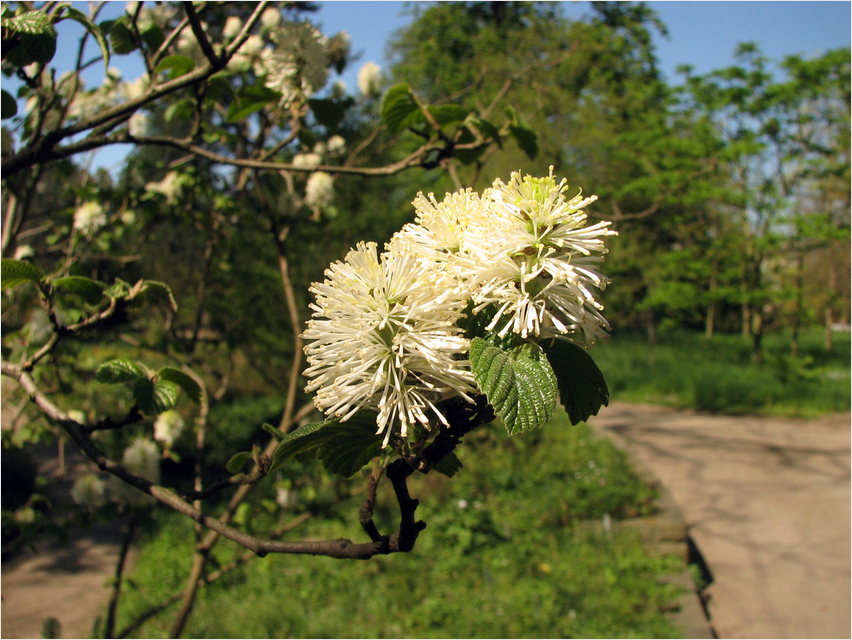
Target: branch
(340, 548)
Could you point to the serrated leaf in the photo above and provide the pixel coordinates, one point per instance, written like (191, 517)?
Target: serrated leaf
(120, 370)
(398, 107)
(121, 37)
(582, 388)
(90, 290)
(117, 290)
(526, 139)
(14, 272)
(153, 398)
(519, 384)
(190, 387)
(32, 36)
(342, 447)
(9, 106)
(238, 461)
(449, 465)
(91, 27)
(488, 130)
(176, 65)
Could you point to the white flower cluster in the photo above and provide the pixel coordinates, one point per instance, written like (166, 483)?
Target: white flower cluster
(384, 333)
(89, 217)
(167, 427)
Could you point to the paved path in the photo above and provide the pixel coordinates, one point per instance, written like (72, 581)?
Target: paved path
(767, 501)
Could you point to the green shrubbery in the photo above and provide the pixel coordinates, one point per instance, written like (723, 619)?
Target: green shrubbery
(718, 374)
(500, 557)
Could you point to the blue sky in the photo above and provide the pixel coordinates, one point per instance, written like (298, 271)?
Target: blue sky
(701, 34)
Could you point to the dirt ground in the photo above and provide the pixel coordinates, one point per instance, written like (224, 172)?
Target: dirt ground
(767, 501)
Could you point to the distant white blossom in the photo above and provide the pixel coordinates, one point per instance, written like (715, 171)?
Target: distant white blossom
(338, 90)
(370, 79)
(233, 26)
(271, 17)
(170, 186)
(137, 125)
(23, 251)
(89, 491)
(167, 427)
(89, 217)
(298, 66)
(306, 160)
(319, 190)
(336, 144)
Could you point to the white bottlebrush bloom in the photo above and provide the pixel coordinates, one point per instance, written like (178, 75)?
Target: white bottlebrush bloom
(167, 427)
(88, 491)
(319, 190)
(538, 260)
(141, 458)
(233, 26)
(137, 125)
(336, 144)
(307, 160)
(134, 89)
(271, 17)
(23, 251)
(170, 186)
(383, 337)
(370, 79)
(89, 217)
(298, 66)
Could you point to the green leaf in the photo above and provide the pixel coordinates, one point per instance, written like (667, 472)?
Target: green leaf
(238, 461)
(153, 36)
(275, 432)
(153, 398)
(519, 383)
(8, 107)
(17, 272)
(91, 27)
(488, 130)
(399, 109)
(449, 113)
(342, 447)
(90, 290)
(329, 113)
(28, 37)
(526, 139)
(582, 388)
(183, 380)
(469, 156)
(176, 65)
(120, 370)
(121, 37)
(249, 99)
(449, 465)
(160, 290)
(117, 290)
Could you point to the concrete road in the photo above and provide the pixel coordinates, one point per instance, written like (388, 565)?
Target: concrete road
(767, 501)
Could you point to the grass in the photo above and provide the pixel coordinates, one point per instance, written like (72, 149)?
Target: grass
(719, 375)
(501, 557)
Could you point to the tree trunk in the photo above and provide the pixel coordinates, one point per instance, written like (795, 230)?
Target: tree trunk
(797, 309)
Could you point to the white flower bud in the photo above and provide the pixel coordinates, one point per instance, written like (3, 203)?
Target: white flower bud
(370, 79)
(88, 491)
(168, 427)
(319, 190)
(306, 160)
(271, 17)
(232, 28)
(89, 217)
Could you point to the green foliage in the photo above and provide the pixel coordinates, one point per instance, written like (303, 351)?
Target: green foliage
(28, 37)
(342, 447)
(17, 272)
(501, 557)
(519, 384)
(153, 393)
(582, 388)
(719, 374)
